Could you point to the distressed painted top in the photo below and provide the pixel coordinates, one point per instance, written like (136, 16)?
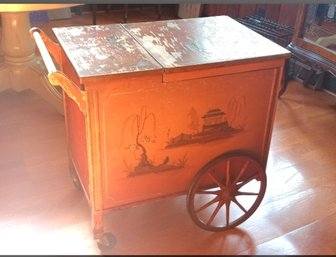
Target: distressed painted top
(151, 46)
(195, 41)
(103, 50)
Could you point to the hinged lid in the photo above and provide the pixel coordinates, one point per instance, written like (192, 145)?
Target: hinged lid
(202, 41)
(104, 50)
(175, 45)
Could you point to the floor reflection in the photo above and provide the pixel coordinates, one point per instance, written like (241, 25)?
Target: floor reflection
(233, 241)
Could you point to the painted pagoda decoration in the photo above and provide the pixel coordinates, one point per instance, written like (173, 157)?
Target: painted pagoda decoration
(215, 127)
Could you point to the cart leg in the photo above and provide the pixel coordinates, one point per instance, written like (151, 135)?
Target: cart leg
(74, 176)
(105, 240)
(285, 78)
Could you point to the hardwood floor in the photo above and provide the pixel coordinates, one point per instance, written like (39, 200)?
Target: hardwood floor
(41, 212)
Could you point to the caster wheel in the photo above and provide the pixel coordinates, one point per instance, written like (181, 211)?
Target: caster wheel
(226, 192)
(74, 177)
(106, 242)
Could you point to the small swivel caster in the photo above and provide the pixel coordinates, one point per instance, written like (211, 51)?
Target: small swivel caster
(106, 241)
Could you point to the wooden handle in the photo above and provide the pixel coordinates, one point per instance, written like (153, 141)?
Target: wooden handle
(56, 77)
(35, 32)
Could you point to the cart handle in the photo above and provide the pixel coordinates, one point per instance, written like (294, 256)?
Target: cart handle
(56, 77)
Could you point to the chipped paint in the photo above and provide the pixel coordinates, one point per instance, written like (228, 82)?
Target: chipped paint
(152, 44)
(173, 25)
(186, 42)
(103, 50)
(177, 55)
(136, 31)
(77, 31)
(115, 48)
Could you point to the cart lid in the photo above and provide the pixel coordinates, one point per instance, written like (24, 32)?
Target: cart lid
(104, 50)
(202, 41)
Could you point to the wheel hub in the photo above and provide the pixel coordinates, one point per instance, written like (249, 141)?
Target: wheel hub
(228, 194)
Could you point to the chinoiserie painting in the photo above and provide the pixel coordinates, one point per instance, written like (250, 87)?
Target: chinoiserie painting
(172, 130)
(213, 124)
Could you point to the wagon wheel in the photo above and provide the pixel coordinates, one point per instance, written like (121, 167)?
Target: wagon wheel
(74, 176)
(226, 192)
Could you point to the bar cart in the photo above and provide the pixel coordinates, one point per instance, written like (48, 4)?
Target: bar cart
(164, 108)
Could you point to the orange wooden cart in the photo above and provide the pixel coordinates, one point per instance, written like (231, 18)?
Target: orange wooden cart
(157, 109)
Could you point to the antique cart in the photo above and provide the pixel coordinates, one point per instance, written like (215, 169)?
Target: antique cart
(157, 109)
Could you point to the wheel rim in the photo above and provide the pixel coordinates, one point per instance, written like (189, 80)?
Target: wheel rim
(226, 192)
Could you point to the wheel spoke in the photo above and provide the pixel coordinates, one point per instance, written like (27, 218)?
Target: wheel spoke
(204, 192)
(247, 193)
(228, 174)
(227, 205)
(216, 199)
(219, 206)
(216, 180)
(247, 181)
(239, 205)
(241, 172)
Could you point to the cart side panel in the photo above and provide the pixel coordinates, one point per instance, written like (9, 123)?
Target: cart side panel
(77, 141)
(156, 136)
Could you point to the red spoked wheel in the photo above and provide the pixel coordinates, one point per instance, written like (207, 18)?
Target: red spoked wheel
(226, 192)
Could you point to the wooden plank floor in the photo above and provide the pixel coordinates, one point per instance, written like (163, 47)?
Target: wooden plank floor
(41, 212)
